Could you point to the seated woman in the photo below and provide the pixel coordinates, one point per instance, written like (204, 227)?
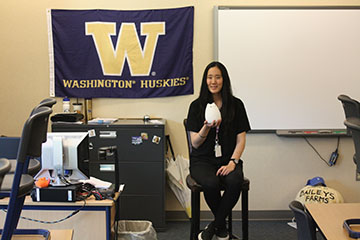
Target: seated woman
(217, 147)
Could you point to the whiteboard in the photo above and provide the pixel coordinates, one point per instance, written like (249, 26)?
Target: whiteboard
(289, 65)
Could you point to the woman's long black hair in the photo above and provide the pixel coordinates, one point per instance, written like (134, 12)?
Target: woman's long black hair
(205, 97)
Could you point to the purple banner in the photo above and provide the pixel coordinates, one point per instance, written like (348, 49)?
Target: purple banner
(121, 54)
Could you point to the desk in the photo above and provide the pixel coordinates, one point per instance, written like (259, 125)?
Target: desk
(330, 218)
(94, 221)
(61, 234)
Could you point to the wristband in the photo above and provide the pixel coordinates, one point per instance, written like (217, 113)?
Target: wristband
(236, 161)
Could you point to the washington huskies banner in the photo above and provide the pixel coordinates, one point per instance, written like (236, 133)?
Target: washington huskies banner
(121, 54)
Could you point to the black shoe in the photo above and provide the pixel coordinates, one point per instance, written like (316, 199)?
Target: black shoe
(207, 233)
(222, 233)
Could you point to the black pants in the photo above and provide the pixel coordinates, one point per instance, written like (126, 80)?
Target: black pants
(205, 174)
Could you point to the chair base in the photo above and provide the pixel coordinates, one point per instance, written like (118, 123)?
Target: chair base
(195, 210)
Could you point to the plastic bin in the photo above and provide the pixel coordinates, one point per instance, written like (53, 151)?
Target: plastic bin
(136, 230)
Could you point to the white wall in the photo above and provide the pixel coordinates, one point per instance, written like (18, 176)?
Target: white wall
(277, 167)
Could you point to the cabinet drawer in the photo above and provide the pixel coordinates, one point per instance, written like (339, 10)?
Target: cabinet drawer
(146, 151)
(104, 171)
(128, 150)
(142, 178)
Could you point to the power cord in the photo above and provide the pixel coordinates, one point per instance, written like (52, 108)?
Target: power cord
(333, 157)
(86, 191)
(56, 221)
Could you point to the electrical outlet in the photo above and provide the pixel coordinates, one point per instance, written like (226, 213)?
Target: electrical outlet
(357, 176)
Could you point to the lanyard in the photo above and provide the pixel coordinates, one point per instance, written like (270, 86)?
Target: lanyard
(217, 136)
(217, 148)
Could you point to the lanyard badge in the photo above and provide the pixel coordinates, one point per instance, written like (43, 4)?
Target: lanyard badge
(217, 148)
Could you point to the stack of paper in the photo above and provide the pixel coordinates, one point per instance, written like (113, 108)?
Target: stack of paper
(102, 120)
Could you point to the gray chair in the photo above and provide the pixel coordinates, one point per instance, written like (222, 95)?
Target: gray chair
(47, 102)
(9, 147)
(306, 227)
(33, 135)
(196, 189)
(351, 109)
(351, 106)
(353, 124)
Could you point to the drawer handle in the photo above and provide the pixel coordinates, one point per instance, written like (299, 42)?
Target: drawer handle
(107, 134)
(107, 168)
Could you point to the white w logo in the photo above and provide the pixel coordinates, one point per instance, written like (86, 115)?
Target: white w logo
(127, 46)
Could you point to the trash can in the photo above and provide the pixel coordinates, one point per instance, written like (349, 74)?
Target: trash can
(136, 230)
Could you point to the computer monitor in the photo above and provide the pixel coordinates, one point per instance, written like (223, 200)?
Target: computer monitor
(65, 157)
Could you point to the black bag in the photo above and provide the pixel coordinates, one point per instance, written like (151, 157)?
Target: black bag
(67, 117)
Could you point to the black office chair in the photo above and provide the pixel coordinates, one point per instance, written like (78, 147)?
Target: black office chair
(306, 228)
(353, 124)
(351, 109)
(351, 106)
(195, 202)
(47, 102)
(34, 164)
(33, 135)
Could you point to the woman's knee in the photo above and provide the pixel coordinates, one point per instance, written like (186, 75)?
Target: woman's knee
(211, 183)
(234, 179)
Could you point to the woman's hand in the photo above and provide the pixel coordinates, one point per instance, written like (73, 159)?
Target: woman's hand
(215, 123)
(226, 169)
(197, 138)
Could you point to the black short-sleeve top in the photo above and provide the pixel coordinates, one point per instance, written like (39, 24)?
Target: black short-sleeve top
(227, 135)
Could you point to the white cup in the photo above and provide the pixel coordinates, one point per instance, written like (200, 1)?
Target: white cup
(77, 107)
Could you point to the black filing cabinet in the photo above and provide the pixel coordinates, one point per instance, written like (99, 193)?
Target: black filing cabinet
(141, 164)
